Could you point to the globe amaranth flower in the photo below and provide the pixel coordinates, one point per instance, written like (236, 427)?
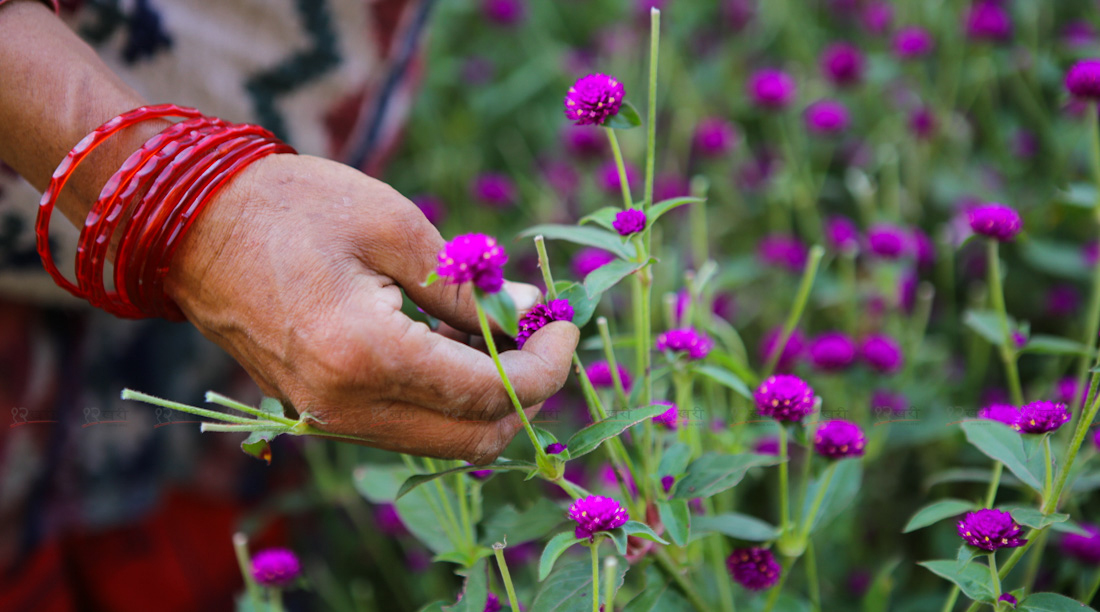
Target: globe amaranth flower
(1067, 391)
(389, 521)
(839, 439)
(670, 418)
(1078, 34)
(877, 17)
(584, 141)
(276, 567)
(1085, 549)
(832, 351)
(912, 42)
(596, 513)
(783, 251)
(738, 13)
(791, 351)
(695, 344)
(494, 190)
(1062, 301)
(841, 233)
(504, 12)
(1008, 598)
(1043, 416)
(475, 258)
(995, 221)
(667, 482)
(670, 185)
(628, 222)
(1002, 413)
(555, 448)
(754, 568)
(922, 122)
(599, 373)
(714, 137)
(480, 474)
(924, 250)
(990, 530)
(767, 445)
(771, 89)
(988, 20)
(590, 259)
(842, 64)
(827, 117)
(611, 182)
(784, 398)
(887, 241)
(882, 353)
(593, 99)
(884, 401)
(1083, 79)
(540, 316)
(1096, 439)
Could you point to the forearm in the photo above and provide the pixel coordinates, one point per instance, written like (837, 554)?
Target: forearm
(54, 90)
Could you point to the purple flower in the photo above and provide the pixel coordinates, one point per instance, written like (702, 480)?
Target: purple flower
(492, 603)
(988, 20)
(771, 89)
(887, 241)
(495, 190)
(560, 176)
(1091, 253)
(1083, 79)
(670, 418)
(480, 474)
(596, 513)
(540, 316)
(714, 137)
(754, 568)
(877, 17)
(1078, 34)
(923, 248)
(609, 477)
(667, 482)
(475, 258)
(589, 259)
(629, 221)
(738, 13)
(922, 122)
(504, 12)
(882, 353)
(1067, 391)
(832, 351)
(912, 42)
(1085, 549)
(670, 185)
(555, 448)
(826, 117)
(990, 530)
(839, 439)
(1008, 597)
(1043, 416)
(389, 521)
(1025, 144)
(1062, 301)
(584, 141)
(599, 373)
(687, 340)
(432, 208)
(886, 401)
(593, 98)
(784, 398)
(842, 64)
(768, 445)
(791, 351)
(276, 567)
(783, 251)
(610, 181)
(1096, 439)
(1002, 413)
(841, 233)
(996, 221)
(1019, 338)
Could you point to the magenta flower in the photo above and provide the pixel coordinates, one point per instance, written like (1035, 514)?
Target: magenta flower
(1090, 253)
(791, 351)
(1078, 34)
(784, 398)
(609, 178)
(990, 530)
(754, 568)
(596, 513)
(887, 241)
(878, 17)
(599, 373)
(923, 248)
(1043, 416)
(842, 233)
(714, 137)
(628, 222)
(475, 258)
(480, 474)
(540, 316)
(988, 20)
(610, 477)
(1083, 79)
(882, 353)
(1009, 598)
(495, 190)
(555, 448)
(1085, 549)
(504, 12)
(771, 89)
(1002, 413)
(670, 185)
(739, 13)
(886, 401)
(584, 141)
(1062, 301)
(842, 64)
(1096, 439)
(389, 521)
(432, 208)
(670, 418)
(276, 567)
(695, 344)
(492, 603)
(912, 42)
(827, 117)
(767, 445)
(1067, 391)
(922, 123)
(832, 351)
(995, 221)
(593, 99)
(589, 259)
(783, 251)
(839, 439)
(667, 482)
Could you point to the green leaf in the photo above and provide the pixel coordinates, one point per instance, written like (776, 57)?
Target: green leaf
(877, 598)
(625, 119)
(590, 438)
(554, 549)
(660, 208)
(1032, 517)
(1058, 259)
(842, 492)
(726, 378)
(463, 558)
(607, 276)
(618, 538)
(587, 236)
(1002, 443)
(1054, 345)
(415, 510)
(603, 217)
(475, 590)
(964, 556)
(379, 484)
(1051, 602)
(1081, 195)
(569, 588)
(433, 276)
(973, 579)
(735, 525)
(675, 460)
(500, 308)
(1070, 527)
(639, 529)
(987, 324)
(713, 473)
(659, 595)
(676, 517)
(938, 511)
(521, 526)
(258, 444)
(501, 464)
(435, 606)
(969, 475)
(583, 306)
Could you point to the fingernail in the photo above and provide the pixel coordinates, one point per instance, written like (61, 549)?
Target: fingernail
(525, 296)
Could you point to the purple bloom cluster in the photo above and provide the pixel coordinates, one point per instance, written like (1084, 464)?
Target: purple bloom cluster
(599, 373)
(878, 17)
(792, 350)
(842, 233)
(783, 251)
(827, 117)
(596, 513)
(1042, 417)
(988, 20)
(990, 529)
(1009, 598)
(886, 401)
(839, 439)
(687, 340)
(882, 353)
(504, 12)
(771, 89)
(276, 567)
(1085, 549)
(590, 259)
(555, 448)
(1002, 413)
(754, 568)
(540, 316)
(475, 258)
(842, 64)
(389, 521)
(1083, 79)
(887, 241)
(714, 137)
(832, 351)
(667, 482)
(912, 42)
(593, 99)
(995, 221)
(629, 221)
(670, 418)
(922, 122)
(768, 445)
(495, 190)
(784, 398)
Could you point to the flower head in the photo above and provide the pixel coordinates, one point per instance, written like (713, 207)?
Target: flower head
(886, 401)
(784, 398)
(996, 221)
(596, 513)
(714, 137)
(599, 373)
(667, 482)
(842, 64)
(912, 42)
(1002, 413)
(593, 98)
(1042, 417)
(922, 122)
(887, 241)
(832, 351)
(584, 141)
(767, 445)
(882, 353)
(841, 233)
(670, 418)
(1083, 548)
(754, 568)
(988, 20)
(504, 12)
(611, 182)
(389, 521)
(827, 117)
(877, 17)
(738, 13)
(276, 567)
(628, 222)
(480, 474)
(839, 439)
(540, 316)
(771, 89)
(791, 351)
(687, 340)
(1067, 391)
(555, 448)
(475, 258)
(1096, 439)
(1008, 598)
(1078, 34)
(1083, 79)
(589, 259)
(495, 190)
(990, 529)
(783, 251)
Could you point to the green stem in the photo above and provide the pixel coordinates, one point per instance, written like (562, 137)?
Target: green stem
(1048, 482)
(808, 520)
(996, 295)
(995, 579)
(1087, 599)
(610, 573)
(811, 577)
(651, 111)
(275, 599)
(613, 364)
(130, 394)
(952, 597)
(464, 507)
(544, 266)
(506, 577)
(776, 590)
(1092, 323)
(221, 400)
(595, 577)
(666, 563)
(808, 275)
(244, 562)
(445, 502)
(994, 482)
(262, 426)
(784, 497)
(718, 566)
(624, 186)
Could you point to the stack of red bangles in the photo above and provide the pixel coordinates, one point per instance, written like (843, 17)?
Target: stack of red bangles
(148, 205)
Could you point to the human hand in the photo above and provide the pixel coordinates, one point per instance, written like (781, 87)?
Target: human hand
(297, 268)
